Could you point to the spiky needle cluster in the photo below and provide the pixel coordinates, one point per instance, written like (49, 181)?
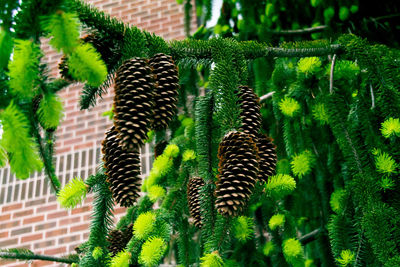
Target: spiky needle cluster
(238, 171)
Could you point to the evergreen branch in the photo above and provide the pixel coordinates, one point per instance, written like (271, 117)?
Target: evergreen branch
(266, 96)
(31, 256)
(372, 96)
(311, 236)
(331, 74)
(299, 31)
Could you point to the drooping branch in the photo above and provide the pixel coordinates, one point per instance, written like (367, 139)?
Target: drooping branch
(29, 256)
(266, 96)
(311, 236)
(300, 31)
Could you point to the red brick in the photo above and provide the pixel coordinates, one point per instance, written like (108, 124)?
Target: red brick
(41, 263)
(23, 213)
(11, 207)
(55, 251)
(34, 219)
(68, 239)
(69, 221)
(81, 227)
(83, 146)
(58, 214)
(8, 242)
(47, 208)
(8, 225)
(48, 243)
(3, 234)
(119, 210)
(35, 202)
(5, 217)
(56, 232)
(29, 238)
(21, 231)
(80, 210)
(45, 226)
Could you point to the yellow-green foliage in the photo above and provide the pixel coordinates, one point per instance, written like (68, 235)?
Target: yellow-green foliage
(302, 163)
(23, 69)
(309, 65)
(320, 113)
(72, 194)
(6, 45)
(309, 263)
(3, 156)
(387, 183)
(268, 248)
(344, 70)
(289, 106)
(161, 166)
(156, 192)
(384, 163)
(243, 228)
(292, 250)
(277, 220)
(152, 251)
(50, 111)
(121, 259)
(390, 127)
(64, 31)
(144, 225)
(85, 65)
(346, 258)
(337, 200)
(211, 260)
(16, 140)
(188, 155)
(97, 253)
(280, 185)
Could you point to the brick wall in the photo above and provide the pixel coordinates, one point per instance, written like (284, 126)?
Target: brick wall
(30, 216)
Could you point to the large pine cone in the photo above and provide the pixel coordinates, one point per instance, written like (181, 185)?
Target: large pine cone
(166, 90)
(250, 115)
(267, 154)
(238, 171)
(119, 239)
(193, 195)
(133, 102)
(122, 169)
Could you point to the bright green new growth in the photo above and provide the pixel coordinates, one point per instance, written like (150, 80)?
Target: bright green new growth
(320, 113)
(72, 194)
(302, 163)
(292, 250)
(390, 127)
(23, 69)
(97, 253)
(346, 258)
(121, 259)
(387, 183)
(188, 155)
(280, 185)
(156, 192)
(144, 225)
(243, 228)
(384, 163)
(16, 140)
(171, 150)
(85, 65)
(64, 29)
(3, 156)
(309, 65)
(211, 260)
(289, 106)
(277, 220)
(344, 70)
(50, 111)
(152, 251)
(337, 199)
(269, 248)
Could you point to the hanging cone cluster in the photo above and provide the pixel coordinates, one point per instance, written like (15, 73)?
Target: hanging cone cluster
(238, 171)
(133, 102)
(267, 154)
(166, 90)
(249, 110)
(193, 195)
(119, 239)
(122, 169)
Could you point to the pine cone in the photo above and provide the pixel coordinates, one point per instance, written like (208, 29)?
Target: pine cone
(238, 171)
(166, 90)
(102, 45)
(133, 102)
(117, 241)
(122, 169)
(193, 195)
(267, 154)
(250, 115)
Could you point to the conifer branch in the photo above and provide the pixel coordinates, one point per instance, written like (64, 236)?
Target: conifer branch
(311, 236)
(372, 96)
(266, 96)
(331, 74)
(299, 31)
(31, 256)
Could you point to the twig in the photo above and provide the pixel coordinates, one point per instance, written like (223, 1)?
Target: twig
(331, 75)
(266, 96)
(299, 31)
(13, 255)
(307, 238)
(372, 96)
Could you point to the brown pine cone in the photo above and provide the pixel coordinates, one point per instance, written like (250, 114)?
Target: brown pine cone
(193, 195)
